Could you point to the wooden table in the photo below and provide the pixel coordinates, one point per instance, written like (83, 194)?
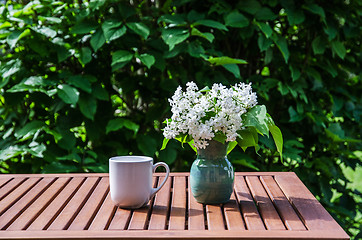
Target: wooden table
(75, 206)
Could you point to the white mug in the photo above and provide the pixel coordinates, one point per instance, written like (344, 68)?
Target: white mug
(130, 180)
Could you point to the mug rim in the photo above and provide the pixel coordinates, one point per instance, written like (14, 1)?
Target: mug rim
(130, 159)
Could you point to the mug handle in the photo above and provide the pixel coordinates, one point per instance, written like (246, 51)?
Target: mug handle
(155, 190)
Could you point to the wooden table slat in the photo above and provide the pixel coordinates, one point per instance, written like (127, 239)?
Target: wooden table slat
(121, 219)
(102, 220)
(26, 200)
(215, 219)
(17, 193)
(267, 211)
(52, 210)
(140, 216)
(233, 218)
(311, 211)
(196, 219)
(161, 206)
(39, 204)
(84, 217)
(178, 206)
(9, 186)
(4, 181)
(66, 216)
(250, 212)
(272, 206)
(287, 213)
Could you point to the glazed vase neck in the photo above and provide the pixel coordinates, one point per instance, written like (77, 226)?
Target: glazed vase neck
(215, 150)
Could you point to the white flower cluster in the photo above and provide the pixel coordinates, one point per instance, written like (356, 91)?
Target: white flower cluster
(202, 114)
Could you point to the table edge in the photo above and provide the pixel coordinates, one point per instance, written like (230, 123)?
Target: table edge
(174, 234)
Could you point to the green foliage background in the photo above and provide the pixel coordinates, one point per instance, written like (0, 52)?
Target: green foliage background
(82, 81)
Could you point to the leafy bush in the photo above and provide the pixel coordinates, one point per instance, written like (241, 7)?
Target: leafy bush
(84, 81)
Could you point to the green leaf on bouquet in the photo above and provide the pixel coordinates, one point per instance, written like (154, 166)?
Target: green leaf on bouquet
(257, 117)
(248, 138)
(164, 143)
(191, 143)
(231, 146)
(220, 137)
(278, 139)
(277, 135)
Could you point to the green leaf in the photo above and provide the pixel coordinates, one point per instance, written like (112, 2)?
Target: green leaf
(29, 129)
(195, 49)
(295, 72)
(245, 163)
(220, 137)
(319, 45)
(8, 69)
(30, 84)
(236, 19)
(225, 60)
(234, 69)
(248, 138)
(281, 42)
(37, 150)
(83, 27)
(264, 43)
(210, 23)
(331, 31)
(88, 106)
(169, 155)
(208, 36)
(249, 6)
(293, 115)
(15, 36)
(277, 136)
(95, 4)
(174, 36)
(265, 14)
(295, 16)
(85, 55)
(147, 145)
(339, 49)
(131, 125)
(119, 123)
(100, 93)
(114, 125)
(63, 53)
(59, 167)
(112, 31)
(46, 31)
(337, 134)
(268, 56)
(257, 117)
(139, 28)
(68, 94)
(191, 144)
(11, 152)
(316, 9)
(81, 82)
(176, 19)
(265, 28)
(121, 56)
(97, 40)
(164, 143)
(231, 146)
(147, 60)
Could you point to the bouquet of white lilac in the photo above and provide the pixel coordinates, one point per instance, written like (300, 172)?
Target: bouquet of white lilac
(220, 113)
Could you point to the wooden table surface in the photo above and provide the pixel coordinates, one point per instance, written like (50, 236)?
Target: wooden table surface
(264, 205)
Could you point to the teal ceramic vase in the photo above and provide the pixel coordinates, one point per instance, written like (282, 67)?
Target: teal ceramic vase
(212, 175)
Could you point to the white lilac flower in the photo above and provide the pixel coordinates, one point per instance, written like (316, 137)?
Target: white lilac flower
(201, 115)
